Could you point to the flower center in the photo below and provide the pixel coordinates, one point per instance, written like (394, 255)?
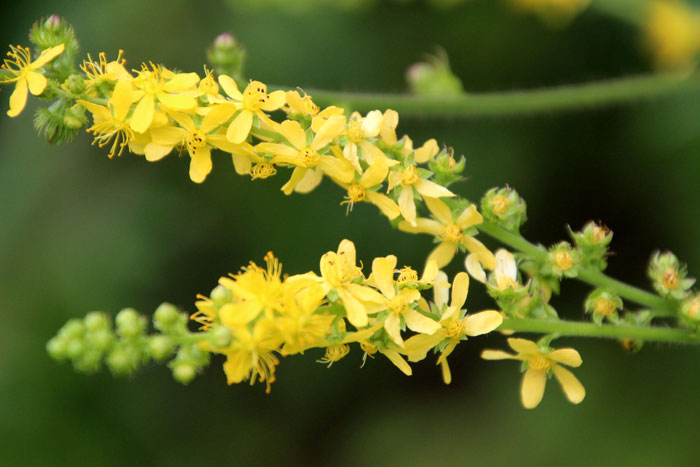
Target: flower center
(454, 328)
(255, 96)
(355, 131)
(407, 275)
(398, 305)
(369, 349)
(539, 363)
(693, 308)
(410, 175)
(500, 204)
(195, 140)
(309, 157)
(148, 81)
(604, 306)
(208, 85)
(670, 279)
(563, 260)
(337, 270)
(262, 170)
(335, 353)
(599, 233)
(18, 63)
(355, 193)
(452, 233)
(310, 106)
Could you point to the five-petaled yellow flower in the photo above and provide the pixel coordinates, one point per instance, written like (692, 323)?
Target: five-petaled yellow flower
(25, 74)
(539, 364)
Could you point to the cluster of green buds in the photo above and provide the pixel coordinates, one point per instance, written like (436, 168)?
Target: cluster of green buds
(446, 168)
(562, 261)
(603, 306)
(504, 206)
(592, 243)
(433, 77)
(125, 346)
(669, 276)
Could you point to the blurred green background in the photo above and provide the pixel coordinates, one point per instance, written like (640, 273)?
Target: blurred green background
(80, 232)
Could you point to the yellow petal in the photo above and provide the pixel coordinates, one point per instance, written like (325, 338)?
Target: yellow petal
(389, 124)
(482, 253)
(328, 131)
(311, 180)
(216, 116)
(523, 346)
(241, 164)
(439, 209)
(566, 356)
(425, 152)
(496, 355)
(347, 252)
(482, 322)
(420, 323)
(469, 217)
(430, 272)
(446, 373)
(121, 99)
(371, 153)
(443, 253)
(200, 164)
(143, 114)
(398, 361)
(385, 204)
(18, 99)
(230, 87)
(407, 205)
(423, 225)
(167, 135)
(240, 127)
(441, 289)
(432, 189)
(356, 314)
(177, 101)
(338, 169)
(417, 347)
(237, 366)
(46, 56)
(383, 274)
(296, 177)
(294, 133)
(365, 294)
(460, 289)
(532, 388)
(275, 101)
(375, 174)
(155, 152)
(372, 123)
(181, 82)
(37, 82)
(471, 263)
(392, 326)
(572, 387)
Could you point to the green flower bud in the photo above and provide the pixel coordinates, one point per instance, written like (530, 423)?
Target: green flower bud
(88, 362)
(446, 168)
(219, 336)
(75, 84)
(166, 317)
(123, 359)
(592, 242)
(129, 323)
(57, 348)
(562, 260)
(191, 353)
(433, 77)
(160, 347)
(227, 57)
(504, 205)
(96, 321)
(73, 329)
(603, 305)
(221, 295)
(74, 348)
(101, 339)
(183, 372)
(690, 311)
(668, 276)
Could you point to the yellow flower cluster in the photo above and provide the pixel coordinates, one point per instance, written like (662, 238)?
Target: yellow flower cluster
(269, 315)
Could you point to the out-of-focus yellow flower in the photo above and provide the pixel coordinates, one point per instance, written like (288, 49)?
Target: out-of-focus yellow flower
(538, 365)
(454, 326)
(673, 34)
(101, 71)
(25, 74)
(555, 13)
(451, 233)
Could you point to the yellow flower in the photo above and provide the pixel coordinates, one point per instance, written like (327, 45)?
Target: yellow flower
(505, 274)
(251, 103)
(173, 92)
(409, 180)
(399, 303)
(338, 270)
(361, 133)
(301, 326)
(310, 163)
(102, 71)
(673, 34)
(298, 105)
(111, 122)
(539, 364)
(361, 190)
(250, 355)
(199, 139)
(24, 73)
(454, 326)
(451, 233)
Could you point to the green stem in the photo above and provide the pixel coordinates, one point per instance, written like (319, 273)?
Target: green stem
(661, 306)
(576, 96)
(573, 328)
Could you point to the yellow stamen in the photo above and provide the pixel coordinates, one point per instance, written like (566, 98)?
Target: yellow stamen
(670, 279)
(500, 204)
(407, 275)
(452, 233)
(563, 260)
(262, 170)
(539, 363)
